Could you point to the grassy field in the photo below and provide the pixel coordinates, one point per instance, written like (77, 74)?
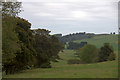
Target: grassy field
(63, 70)
(101, 39)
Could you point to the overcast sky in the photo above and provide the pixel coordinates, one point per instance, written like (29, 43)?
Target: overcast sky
(69, 16)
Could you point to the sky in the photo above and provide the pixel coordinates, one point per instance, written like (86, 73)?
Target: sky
(71, 16)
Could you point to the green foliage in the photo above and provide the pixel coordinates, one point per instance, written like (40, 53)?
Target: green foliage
(11, 8)
(18, 51)
(75, 46)
(74, 36)
(112, 57)
(106, 53)
(10, 40)
(10, 43)
(56, 46)
(74, 61)
(47, 47)
(42, 48)
(88, 54)
(46, 65)
(23, 48)
(26, 41)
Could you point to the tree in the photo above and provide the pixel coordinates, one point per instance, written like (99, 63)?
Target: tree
(42, 45)
(106, 53)
(9, 43)
(26, 41)
(22, 47)
(88, 54)
(18, 51)
(47, 47)
(11, 8)
(56, 47)
(113, 32)
(10, 40)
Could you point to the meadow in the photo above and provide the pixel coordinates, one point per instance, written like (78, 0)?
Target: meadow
(61, 69)
(99, 40)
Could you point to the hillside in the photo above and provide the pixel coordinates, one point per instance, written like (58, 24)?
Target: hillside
(74, 36)
(99, 40)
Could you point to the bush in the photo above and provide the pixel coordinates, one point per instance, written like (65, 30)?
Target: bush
(88, 54)
(112, 57)
(106, 53)
(73, 61)
(46, 65)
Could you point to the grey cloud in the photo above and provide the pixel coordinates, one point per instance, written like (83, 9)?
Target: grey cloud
(81, 16)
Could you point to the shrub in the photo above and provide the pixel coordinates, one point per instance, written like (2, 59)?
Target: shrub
(46, 65)
(88, 54)
(112, 57)
(106, 53)
(73, 61)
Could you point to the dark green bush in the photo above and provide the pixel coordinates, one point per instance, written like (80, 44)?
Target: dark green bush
(112, 57)
(46, 65)
(106, 53)
(74, 61)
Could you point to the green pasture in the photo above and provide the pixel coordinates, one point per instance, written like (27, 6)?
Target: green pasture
(63, 70)
(99, 40)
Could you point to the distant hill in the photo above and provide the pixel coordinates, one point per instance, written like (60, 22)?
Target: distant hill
(99, 40)
(74, 36)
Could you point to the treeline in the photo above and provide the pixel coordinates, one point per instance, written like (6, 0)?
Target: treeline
(77, 36)
(23, 48)
(75, 46)
(73, 37)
